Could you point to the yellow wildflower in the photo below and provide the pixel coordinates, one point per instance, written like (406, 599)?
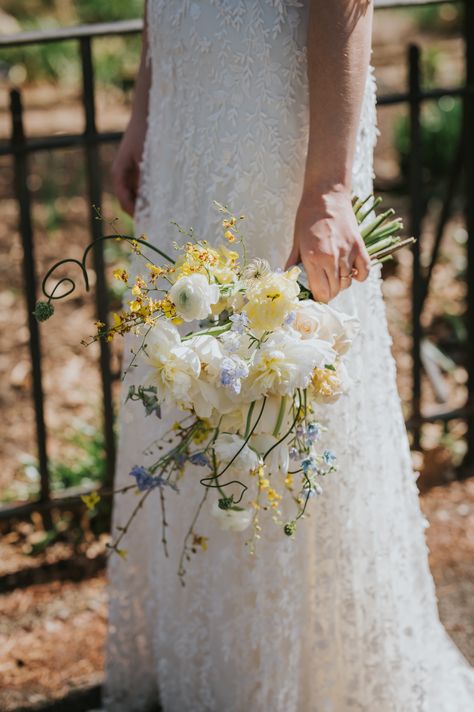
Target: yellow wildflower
(155, 271)
(91, 500)
(229, 236)
(167, 307)
(273, 495)
(289, 480)
(135, 305)
(121, 275)
(200, 541)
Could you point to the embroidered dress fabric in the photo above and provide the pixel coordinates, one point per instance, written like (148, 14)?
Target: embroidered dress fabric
(343, 617)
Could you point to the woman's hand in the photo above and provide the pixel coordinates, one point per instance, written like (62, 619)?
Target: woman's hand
(328, 243)
(126, 166)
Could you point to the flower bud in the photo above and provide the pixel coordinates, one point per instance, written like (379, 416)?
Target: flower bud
(43, 311)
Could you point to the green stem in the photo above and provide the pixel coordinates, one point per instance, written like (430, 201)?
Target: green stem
(212, 330)
(249, 419)
(281, 413)
(376, 223)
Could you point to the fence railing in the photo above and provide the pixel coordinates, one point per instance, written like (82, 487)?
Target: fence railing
(20, 148)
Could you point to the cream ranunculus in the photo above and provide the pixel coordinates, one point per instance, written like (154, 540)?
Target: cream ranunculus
(193, 296)
(270, 299)
(284, 363)
(231, 520)
(316, 319)
(226, 447)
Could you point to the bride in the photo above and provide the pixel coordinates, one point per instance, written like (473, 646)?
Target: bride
(269, 106)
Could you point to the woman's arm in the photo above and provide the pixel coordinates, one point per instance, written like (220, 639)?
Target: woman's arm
(125, 169)
(326, 237)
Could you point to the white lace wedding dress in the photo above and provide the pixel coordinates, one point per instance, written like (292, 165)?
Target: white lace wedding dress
(344, 617)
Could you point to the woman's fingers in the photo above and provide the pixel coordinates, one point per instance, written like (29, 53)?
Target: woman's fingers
(346, 264)
(318, 282)
(331, 269)
(361, 262)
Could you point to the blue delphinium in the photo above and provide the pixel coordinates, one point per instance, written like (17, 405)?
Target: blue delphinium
(145, 480)
(200, 459)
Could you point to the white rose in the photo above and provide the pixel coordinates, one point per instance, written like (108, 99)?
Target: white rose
(321, 320)
(226, 447)
(193, 296)
(231, 520)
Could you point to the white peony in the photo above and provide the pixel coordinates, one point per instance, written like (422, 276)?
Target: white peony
(231, 520)
(173, 367)
(226, 447)
(209, 351)
(193, 296)
(208, 395)
(316, 319)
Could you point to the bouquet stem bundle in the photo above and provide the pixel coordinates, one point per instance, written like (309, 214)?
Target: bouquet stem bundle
(381, 233)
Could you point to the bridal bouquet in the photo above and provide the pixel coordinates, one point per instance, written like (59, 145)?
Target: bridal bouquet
(249, 360)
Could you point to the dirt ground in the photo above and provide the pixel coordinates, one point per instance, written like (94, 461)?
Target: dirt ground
(52, 633)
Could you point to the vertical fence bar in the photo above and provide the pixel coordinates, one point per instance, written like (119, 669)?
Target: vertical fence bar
(416, 213)
(468, 125)
(26, 232)
(95, 199)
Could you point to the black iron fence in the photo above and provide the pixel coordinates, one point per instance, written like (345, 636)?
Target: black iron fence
(20, 148)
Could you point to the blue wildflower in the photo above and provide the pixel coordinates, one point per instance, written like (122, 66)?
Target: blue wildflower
(294, 453)
(145, 480)
(180, 458)
(329, 457)
(309, 465)
(240, 322)
(200, 459)
(313, 432)
(289, 319)
(300, 431)
(311, 490)
(232, 370)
